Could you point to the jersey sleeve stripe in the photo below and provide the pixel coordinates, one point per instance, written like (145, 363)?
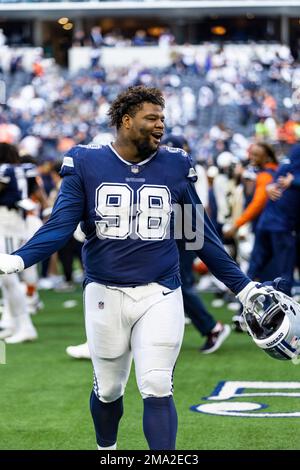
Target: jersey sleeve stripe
(68, 161)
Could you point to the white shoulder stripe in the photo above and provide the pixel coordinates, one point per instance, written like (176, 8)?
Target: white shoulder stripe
(192, 173)
(68, 161)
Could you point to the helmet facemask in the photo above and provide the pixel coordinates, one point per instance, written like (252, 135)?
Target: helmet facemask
(265, 317)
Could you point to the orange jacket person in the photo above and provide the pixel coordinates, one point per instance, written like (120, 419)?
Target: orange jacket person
(262, 156)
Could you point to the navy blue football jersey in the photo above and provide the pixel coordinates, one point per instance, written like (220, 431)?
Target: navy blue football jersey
(31, 173)
(11, 191)
(127, 214)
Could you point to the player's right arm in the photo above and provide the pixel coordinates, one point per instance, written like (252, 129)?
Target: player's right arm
(67, 213)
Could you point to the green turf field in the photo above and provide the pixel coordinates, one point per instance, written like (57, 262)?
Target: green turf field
(44, 394)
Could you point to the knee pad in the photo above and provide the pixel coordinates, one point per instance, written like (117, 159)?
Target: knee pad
(156, 383)
(108, 392)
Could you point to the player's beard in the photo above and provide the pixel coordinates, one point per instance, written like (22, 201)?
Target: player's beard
(145, 148)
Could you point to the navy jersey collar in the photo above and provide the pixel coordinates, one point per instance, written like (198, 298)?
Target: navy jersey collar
(131, 163)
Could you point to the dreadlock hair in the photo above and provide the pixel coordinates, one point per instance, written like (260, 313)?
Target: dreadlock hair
(8, 153)
(131, 101)
(269, 151)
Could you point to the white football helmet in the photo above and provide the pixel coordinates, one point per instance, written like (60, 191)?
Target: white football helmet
(273, 322)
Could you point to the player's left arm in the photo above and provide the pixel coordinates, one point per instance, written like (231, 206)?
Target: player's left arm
(212, 251)
(215, 256)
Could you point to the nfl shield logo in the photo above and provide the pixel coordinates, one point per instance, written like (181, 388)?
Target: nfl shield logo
(135, 169)
(101, 305)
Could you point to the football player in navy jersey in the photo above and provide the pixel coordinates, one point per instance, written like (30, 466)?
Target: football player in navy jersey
(16, 325)
(126, 194)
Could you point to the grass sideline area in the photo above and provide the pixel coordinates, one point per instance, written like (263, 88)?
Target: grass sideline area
(44, 394)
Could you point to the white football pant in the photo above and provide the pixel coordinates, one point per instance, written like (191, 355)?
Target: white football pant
(12, 235)
(32, 224)
(145, 323)
(12, 230)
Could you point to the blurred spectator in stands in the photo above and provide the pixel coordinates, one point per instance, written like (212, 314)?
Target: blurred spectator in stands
(205, 97)
(166, 39)
(15, 64)
(79, 39)
(223, 188)
(103, 107)
(245, 104)
(37, 68)
(30, 145)
(208, 62)
(39, 107)
(261, 130)
(95, 57)
(212, 208)
(269, 105)
(9, 133)
(188, 108)
(64, 144)
(219, 132)
(2, 38)
(287, 131)
(271, 126)
(140, 38)
(96, 37)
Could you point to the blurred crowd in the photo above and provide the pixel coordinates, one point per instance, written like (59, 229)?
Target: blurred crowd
(115, 38)
(216, 100)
